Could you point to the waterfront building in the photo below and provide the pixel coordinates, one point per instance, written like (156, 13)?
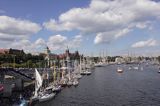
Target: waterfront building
(51, 58)
(11, 51)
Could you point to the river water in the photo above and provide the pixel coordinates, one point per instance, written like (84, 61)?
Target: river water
(106, 87)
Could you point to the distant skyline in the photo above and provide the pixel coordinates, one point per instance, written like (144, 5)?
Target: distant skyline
(115, 27)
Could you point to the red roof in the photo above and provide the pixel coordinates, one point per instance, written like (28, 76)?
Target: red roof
(3, 51)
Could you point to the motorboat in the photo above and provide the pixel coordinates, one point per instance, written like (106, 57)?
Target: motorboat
(83, 72)
(75, 82)
(88, 72)
(119, 70)
(99, 64)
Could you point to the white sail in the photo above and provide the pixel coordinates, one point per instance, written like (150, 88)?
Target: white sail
(38, 81)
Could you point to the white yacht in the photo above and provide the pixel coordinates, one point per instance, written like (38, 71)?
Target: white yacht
(119, 70)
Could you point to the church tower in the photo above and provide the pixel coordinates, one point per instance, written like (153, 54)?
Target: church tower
(47, 58)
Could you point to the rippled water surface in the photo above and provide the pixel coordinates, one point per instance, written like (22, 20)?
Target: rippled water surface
(106, 87)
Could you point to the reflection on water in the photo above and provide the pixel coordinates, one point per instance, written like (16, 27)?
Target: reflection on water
(106, 87)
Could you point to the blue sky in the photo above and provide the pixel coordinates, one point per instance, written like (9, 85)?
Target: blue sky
(90, 26)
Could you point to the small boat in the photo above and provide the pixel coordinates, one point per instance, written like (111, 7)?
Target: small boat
(136, 68)
(78, 76)
(75, 82)
(119, 70)
(46, 96)
(98, 64)
(69, 83)
(88, 72)
(130, 68)
(63, 82)
(83, 73)
(56, 88)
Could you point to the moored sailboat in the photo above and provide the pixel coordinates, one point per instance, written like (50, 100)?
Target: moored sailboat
(41, 95)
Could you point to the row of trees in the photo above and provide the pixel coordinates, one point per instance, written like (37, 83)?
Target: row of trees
(21, 60)
(32, 61)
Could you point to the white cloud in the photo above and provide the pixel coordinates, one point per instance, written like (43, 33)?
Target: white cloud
(56, 39)
(59, 42)
(15, 33)
(40, 41)
(75, 42)
(12, 29)
(54, 42)
(105, 16)
(122, 32)
(13, 26)
(147, 43)
(107, 37)
(102, 38)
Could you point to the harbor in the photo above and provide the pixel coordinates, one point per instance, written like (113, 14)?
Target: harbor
(79, 53)
(106, 87)
(80, 83)
(27, 86)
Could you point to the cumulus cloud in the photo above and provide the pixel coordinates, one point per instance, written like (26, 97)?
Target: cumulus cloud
(147, 43)
(75, 42)
(56, 39)
(59, 42)
(13, 28)
(40, 41)
(15, 33)
(54, 42)
(105, 16)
